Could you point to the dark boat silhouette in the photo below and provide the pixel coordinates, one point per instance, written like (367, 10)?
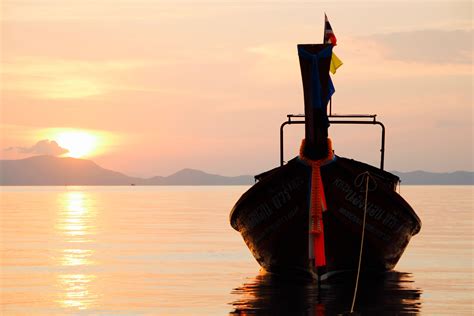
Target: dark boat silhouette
(274, 216)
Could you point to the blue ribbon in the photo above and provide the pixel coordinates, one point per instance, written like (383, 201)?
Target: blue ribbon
(316, 89)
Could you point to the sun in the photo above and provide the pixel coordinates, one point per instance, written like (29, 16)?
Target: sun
(79, 143)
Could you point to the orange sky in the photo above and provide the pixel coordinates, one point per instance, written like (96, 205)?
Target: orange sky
(165, 85)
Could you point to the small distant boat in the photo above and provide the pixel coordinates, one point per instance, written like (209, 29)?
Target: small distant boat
(278, 216)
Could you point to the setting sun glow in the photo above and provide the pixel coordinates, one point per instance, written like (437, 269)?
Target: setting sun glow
(79, 144)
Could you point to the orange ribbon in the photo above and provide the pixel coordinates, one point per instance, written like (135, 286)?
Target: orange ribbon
(317, 202)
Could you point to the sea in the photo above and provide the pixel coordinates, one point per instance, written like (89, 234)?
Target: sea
(158, 250)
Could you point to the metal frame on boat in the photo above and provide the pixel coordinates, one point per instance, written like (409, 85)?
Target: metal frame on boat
(362, 119)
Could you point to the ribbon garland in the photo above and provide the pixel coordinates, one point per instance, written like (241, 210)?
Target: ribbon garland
(317, 202)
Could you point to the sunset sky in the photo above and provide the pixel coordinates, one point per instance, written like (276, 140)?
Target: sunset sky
(150, 87)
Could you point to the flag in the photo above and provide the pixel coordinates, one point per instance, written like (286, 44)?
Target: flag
(329, 37)
(335, 63)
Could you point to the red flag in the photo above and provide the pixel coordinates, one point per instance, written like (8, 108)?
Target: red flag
(329, 37)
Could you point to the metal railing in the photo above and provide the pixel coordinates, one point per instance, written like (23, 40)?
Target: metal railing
(356, 119)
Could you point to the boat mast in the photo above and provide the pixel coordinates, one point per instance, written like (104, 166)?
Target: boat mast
(314, 63)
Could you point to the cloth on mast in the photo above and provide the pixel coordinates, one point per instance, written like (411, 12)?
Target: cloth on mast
(319, 98)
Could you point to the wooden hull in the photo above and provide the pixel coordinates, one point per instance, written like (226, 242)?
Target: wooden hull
(273, 218)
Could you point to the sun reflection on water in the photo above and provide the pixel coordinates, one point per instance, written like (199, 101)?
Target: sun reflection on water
(76, 227)
(75, 217)
(76, 290)
(76, 257)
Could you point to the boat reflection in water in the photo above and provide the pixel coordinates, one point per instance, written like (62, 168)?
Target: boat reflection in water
(392, 293)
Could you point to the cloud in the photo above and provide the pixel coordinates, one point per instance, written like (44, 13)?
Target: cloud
(428, 46)
(43, 147)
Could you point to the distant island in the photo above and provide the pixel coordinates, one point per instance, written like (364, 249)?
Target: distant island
(50, 170)
(433, 178)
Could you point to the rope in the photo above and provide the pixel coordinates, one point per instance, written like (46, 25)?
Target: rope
(367, 174)
(317, 202)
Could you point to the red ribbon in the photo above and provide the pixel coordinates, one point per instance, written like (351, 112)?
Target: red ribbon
(317, 203)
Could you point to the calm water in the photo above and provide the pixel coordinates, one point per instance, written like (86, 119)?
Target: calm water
(171, 251)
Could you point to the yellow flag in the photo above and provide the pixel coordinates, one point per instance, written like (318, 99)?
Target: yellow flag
(335, 63)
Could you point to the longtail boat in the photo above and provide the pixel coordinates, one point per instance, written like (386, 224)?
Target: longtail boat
(306, 217)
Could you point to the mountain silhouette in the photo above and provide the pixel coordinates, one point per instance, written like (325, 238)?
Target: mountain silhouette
(424, 177)
(50, 170)
(196, 177)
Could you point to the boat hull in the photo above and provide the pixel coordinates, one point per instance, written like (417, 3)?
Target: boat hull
(273, 218)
